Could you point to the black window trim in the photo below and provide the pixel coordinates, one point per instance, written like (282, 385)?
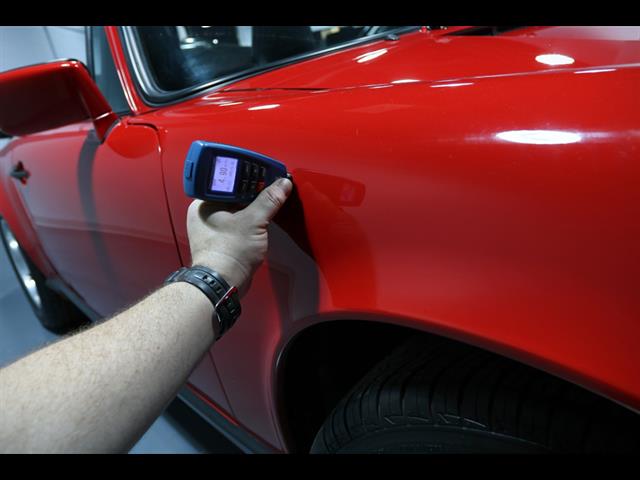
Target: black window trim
(88, 32)
(155, 97)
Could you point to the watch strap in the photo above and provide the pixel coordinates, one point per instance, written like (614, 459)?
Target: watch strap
(224, 297)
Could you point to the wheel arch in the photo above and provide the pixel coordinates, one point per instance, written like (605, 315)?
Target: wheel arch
(317, 367)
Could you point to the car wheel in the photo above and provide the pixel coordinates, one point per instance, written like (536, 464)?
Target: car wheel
(55, 312)
(436, 396)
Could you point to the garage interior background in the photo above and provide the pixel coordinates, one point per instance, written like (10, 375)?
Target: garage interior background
(178, 430)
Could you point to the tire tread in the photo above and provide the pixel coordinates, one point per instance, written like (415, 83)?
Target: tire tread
(432, 382)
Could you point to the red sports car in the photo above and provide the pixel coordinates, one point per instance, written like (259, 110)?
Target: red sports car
(458, 267)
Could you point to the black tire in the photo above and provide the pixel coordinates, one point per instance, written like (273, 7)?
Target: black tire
(55, 312)
(436, 396)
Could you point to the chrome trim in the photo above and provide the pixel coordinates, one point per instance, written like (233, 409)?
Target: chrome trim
(20, 264)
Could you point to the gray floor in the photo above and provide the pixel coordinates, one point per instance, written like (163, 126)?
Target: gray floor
(177, 430)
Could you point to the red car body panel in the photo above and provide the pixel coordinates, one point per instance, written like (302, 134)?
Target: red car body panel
(434, 56)
(492, 199)
(12, 210)
(106, 233)
(529, 250)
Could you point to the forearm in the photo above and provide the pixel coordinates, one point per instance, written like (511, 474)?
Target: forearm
(100, 390)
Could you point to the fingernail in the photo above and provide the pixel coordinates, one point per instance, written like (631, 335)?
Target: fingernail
(283, 182)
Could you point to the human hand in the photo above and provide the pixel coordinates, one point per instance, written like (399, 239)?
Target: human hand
(234, 244)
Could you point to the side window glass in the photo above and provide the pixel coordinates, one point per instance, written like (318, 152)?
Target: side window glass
(182, 57)
(104, 71)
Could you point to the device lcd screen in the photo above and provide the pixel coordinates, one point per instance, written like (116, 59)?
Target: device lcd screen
(224, 174)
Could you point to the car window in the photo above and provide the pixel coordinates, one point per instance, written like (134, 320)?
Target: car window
(104, 71)
(182, 57)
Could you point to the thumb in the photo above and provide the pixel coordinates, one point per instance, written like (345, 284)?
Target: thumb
(269, 201)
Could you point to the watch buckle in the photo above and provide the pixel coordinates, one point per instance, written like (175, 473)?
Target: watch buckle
(226, 296)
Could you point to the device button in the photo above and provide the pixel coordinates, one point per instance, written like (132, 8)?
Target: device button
(260, 185)
(263, 172)
(252, 186)
(243, 186)
(255, 172)
(247, 169)
(188, 170)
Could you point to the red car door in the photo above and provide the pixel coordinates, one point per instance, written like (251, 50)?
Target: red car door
(99, 210)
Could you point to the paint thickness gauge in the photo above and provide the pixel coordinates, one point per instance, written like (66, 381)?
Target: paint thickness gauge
(223, 173)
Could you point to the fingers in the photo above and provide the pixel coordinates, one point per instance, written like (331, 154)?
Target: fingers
(258, 212)
(207, 209)
(203, 211)
(193, 210)
(269, 201)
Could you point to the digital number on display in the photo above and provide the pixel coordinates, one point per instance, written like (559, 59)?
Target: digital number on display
(224, 174)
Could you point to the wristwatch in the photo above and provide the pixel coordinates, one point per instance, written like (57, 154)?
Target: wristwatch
(224, 298)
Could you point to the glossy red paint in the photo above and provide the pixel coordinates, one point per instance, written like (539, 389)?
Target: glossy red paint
(50, 95)
(84, 202)
(438, 56)
(12, 210)
(106, 233)
(492, 199)
(528, 249)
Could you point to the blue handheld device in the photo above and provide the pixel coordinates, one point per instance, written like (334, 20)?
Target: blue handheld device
(223, 173)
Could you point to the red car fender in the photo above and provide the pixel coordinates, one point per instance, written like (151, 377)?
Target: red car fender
(509, 227)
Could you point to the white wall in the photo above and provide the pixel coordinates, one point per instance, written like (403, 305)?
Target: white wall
(21, 46)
